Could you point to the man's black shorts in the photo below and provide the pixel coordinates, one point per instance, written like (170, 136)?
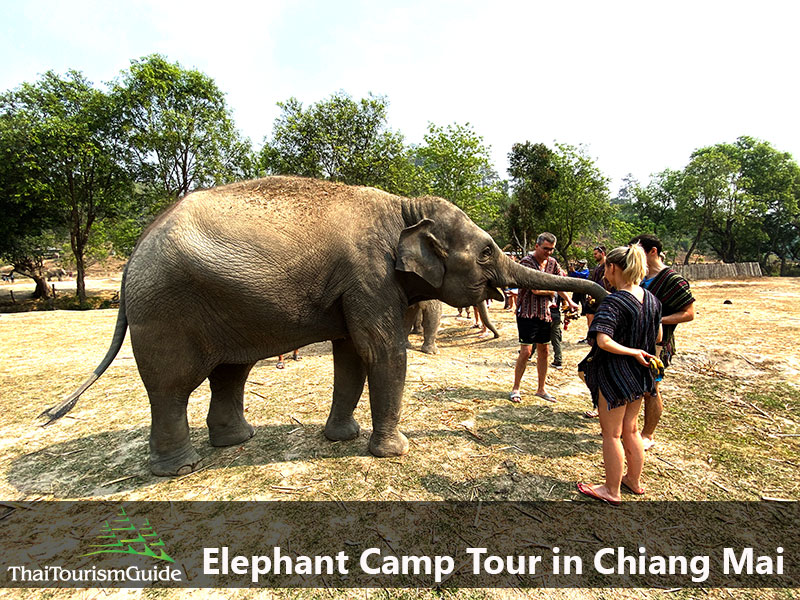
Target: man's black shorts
(533, 331)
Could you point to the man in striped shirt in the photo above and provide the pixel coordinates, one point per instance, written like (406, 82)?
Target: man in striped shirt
(533, 317)
(677, 306)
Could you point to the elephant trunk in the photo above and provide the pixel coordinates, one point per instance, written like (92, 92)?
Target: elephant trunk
(512, 274)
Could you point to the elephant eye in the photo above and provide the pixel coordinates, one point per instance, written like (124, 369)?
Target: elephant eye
(486, 254)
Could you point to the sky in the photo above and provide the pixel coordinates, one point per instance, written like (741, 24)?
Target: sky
(639, 84)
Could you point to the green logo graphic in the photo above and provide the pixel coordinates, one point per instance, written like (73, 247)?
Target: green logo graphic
(121, 534)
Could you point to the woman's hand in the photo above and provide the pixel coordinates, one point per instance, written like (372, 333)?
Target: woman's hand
(609, 345)
(642, 357)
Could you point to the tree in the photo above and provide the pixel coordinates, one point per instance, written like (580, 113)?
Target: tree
(651, 207)
(580, 203)
(457, 166)
(26, 229)
(772, 179)
(741, 201)
(21, 199)
(534, 178)
(342, 140)
(180, 128)
(67, 165)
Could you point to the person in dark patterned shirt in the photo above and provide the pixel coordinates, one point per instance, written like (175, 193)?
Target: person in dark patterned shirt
(624, 333)
(598, 276)
(677, 304)
(534, 318)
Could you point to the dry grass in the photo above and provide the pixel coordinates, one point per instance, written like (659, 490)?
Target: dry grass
(730, 428)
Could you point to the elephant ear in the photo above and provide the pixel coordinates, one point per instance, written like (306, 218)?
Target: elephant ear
(421, 253)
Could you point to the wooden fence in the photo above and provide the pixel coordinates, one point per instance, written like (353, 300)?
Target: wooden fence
(719, 270)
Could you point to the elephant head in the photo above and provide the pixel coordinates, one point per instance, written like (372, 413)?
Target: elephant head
(450, 258)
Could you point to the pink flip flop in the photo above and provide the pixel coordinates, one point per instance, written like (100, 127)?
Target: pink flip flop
(587, 490)
(639, 492)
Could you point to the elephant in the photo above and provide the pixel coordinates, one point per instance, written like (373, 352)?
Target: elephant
(231, 275)
(425, 317)
(55, 272)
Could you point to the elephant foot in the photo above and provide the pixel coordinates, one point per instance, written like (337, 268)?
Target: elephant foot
(395, 444)
(430, 349)
(180, 462)
(339, 431)
(230, 435)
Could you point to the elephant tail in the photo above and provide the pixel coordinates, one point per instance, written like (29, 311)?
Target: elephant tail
(56, 412)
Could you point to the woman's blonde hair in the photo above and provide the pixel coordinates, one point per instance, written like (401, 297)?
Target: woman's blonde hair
(632, 260)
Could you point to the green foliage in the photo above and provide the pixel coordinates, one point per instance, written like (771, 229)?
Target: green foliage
(180, 128)
(23, 194)
(66, 160)
(741, 201)
(580, 204)
(340, 139)
(559, 191)
(772, 179)
(652, 207)
(534, 178)
(456, 165)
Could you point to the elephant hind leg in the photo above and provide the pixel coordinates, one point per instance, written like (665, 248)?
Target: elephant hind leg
(431, 319)
(349, 375)
(168, 388)
(226, 423)
(171, 451)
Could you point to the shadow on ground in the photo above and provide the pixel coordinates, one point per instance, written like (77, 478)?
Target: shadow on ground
(113, 462)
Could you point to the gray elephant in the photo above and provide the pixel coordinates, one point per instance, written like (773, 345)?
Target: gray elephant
(55, 272)
(425, 317)
(204, 295)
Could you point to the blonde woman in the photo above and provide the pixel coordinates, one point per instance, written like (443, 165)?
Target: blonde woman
(624, 333)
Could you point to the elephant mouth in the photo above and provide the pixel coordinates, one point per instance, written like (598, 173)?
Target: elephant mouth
(493, 293)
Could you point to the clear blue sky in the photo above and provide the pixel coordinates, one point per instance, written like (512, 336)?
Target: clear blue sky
(641, 84)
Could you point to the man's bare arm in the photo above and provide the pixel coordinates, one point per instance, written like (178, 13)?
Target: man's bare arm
(684, 315)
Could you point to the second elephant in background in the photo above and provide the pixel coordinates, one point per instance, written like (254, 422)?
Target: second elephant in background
(424, 317)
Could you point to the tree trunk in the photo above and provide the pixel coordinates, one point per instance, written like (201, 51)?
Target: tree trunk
(80, 283)
(35, 270)
(695, 242)
(42, 291)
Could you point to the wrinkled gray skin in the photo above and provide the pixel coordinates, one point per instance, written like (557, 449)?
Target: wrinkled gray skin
(424, 317)
(232, 275)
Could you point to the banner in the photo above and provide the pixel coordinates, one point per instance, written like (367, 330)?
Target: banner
(399, 544)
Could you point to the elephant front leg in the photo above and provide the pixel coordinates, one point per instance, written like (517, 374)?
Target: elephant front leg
(387, 375)
(349, 375)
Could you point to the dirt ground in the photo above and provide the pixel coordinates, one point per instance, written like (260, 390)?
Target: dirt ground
(730, 431)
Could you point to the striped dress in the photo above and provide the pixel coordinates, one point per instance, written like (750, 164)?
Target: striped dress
(624, 319)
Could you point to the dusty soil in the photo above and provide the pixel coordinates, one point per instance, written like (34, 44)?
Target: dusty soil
(730, 429)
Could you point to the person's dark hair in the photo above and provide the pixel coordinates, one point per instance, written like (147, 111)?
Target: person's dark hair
(601, 248)
(648, 241)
